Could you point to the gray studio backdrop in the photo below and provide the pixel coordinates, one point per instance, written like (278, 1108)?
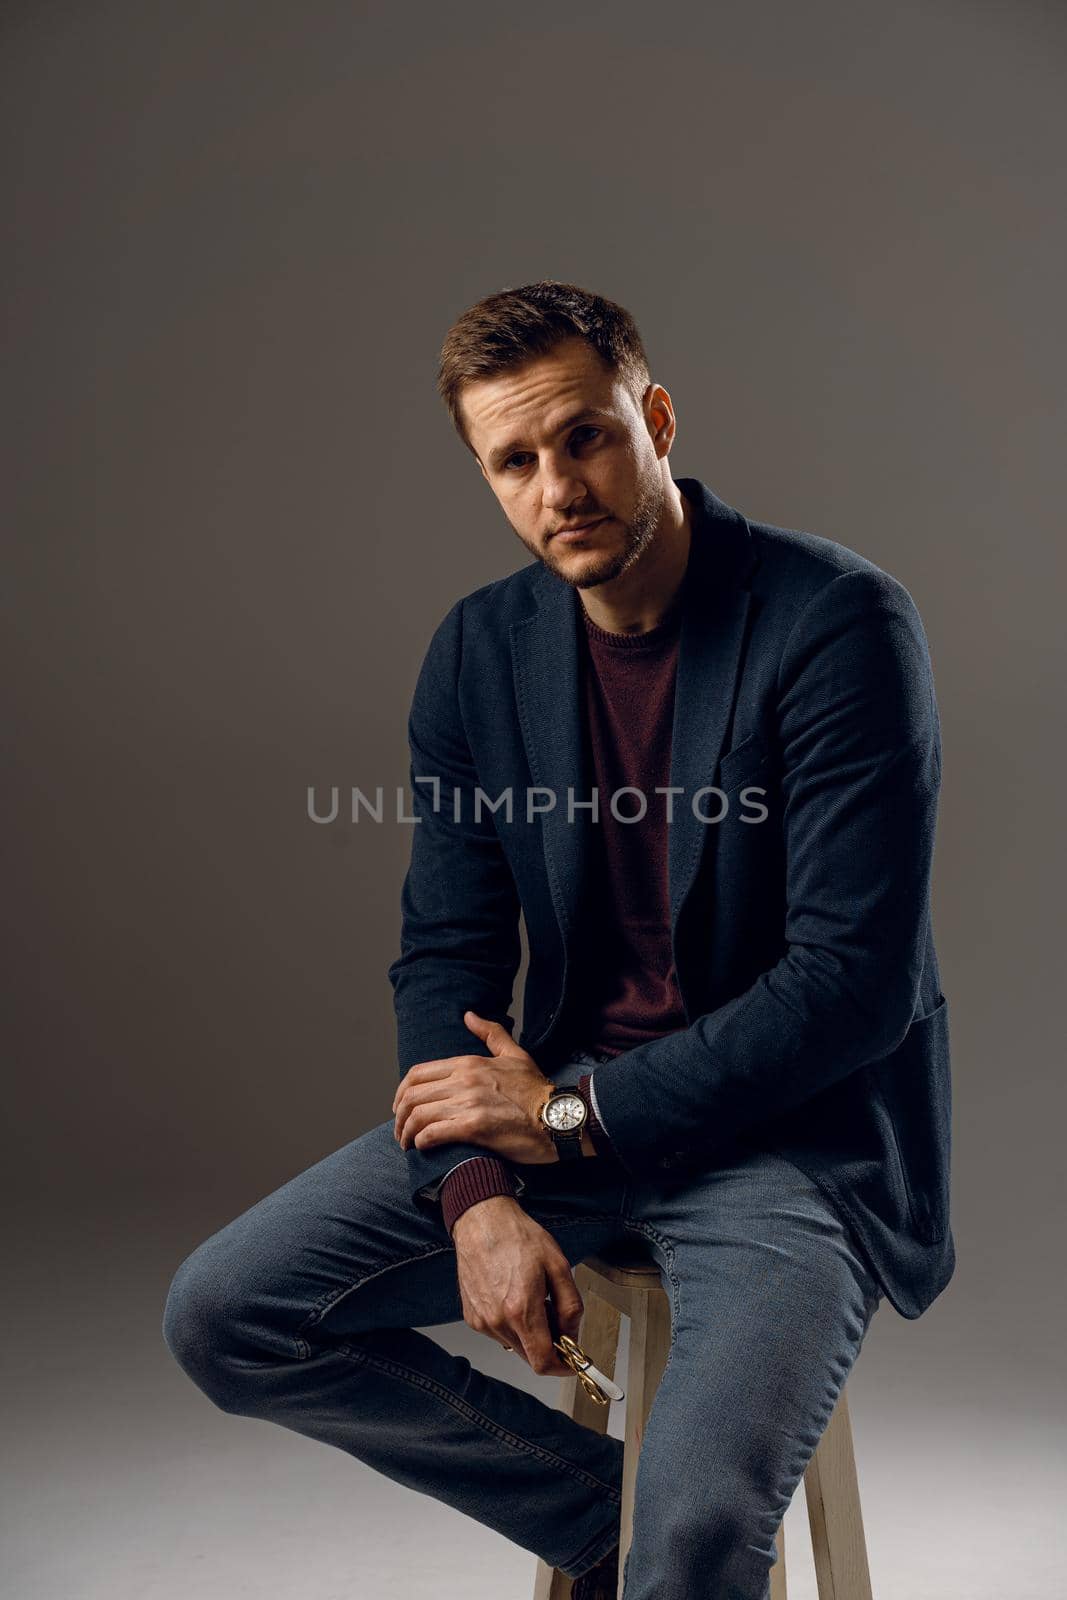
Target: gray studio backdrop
(234, 237)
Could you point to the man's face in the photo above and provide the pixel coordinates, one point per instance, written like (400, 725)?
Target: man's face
(562, 441)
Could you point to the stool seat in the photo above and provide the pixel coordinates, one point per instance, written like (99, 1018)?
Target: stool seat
(625, 1264)
(623, 1279)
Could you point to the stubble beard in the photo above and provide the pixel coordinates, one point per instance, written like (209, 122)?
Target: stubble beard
(639, 534)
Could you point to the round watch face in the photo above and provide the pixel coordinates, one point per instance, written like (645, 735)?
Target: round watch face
(565, 1111)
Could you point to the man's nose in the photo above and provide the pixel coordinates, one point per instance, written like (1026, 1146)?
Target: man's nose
(560, 489)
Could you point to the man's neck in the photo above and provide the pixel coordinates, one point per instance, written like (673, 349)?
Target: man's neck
(641, 597)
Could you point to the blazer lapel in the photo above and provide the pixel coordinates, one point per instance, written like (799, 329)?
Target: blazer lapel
(548, 691)
(715, 607)
(545, 666)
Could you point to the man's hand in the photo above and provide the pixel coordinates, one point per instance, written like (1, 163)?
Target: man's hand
(489, 1100)
(507, 1264)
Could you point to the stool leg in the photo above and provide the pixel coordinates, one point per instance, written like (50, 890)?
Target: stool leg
(599, 1337)
(832, 1492)
(778, 1570)
(650, 1343)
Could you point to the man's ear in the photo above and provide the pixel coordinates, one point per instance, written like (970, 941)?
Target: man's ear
(659, 418)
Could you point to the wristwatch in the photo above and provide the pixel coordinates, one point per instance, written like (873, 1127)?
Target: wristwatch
(563, 1116)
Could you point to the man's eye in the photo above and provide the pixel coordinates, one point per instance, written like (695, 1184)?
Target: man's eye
(588, 428)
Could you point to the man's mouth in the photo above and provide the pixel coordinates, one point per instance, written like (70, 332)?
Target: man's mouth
(577, 530)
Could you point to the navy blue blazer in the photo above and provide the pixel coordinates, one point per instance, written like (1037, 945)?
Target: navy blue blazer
(802, 941)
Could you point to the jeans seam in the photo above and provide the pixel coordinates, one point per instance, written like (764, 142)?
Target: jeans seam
(593, 1553)
(675, 1294)
(395, 1369)
(332, 1296)
(804, 1455)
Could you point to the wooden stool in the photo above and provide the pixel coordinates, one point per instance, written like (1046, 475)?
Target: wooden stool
(625, 1281)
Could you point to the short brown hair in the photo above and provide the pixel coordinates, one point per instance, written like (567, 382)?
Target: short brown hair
(511, 327)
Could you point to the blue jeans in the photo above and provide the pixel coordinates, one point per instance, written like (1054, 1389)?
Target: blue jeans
(303, 1311)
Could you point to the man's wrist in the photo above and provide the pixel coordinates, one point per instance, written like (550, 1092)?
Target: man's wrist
(478, 1205)
(587, 1146)
(483, 1178)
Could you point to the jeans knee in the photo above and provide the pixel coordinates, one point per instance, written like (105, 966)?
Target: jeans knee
(701, 1545)
(200, 1328)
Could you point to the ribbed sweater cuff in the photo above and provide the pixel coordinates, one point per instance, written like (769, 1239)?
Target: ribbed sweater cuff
(472, 1181)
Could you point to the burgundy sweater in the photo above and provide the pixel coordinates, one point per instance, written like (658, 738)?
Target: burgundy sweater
(628, 688)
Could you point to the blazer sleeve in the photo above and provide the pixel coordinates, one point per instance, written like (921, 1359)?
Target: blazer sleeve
(459, 937)
(859, 742)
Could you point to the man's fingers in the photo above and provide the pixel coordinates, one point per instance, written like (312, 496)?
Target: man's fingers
(505, 1330)
(535, 1331)
(493, 1033)
(567, 1305)
(444, 1130)
(521, 1335)
(426, 1072)
(524, 1338)
(428, 1094)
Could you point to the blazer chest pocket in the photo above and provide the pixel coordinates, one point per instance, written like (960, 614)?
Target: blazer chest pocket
(741, 763)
